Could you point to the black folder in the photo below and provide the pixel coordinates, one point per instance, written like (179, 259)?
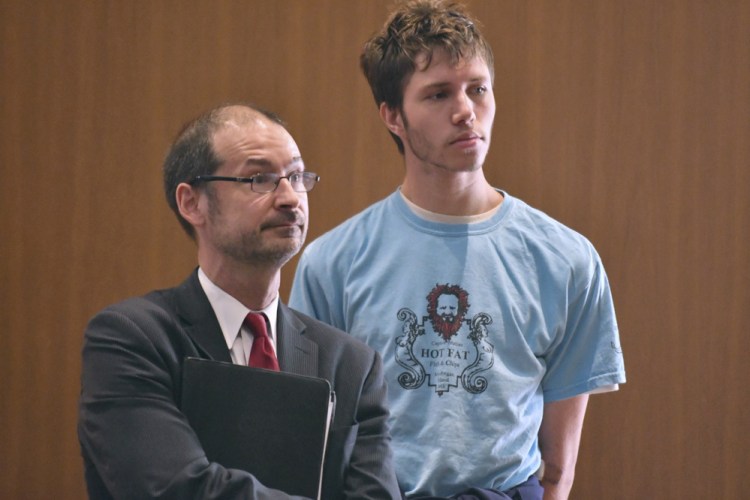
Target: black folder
(273, 425)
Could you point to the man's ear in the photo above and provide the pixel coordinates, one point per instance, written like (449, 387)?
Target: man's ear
(392, 119)
(188, 203)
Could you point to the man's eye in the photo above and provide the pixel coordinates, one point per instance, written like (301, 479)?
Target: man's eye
(263, 178)
(480, 90)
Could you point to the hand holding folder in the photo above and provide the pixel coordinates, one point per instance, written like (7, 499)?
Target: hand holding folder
(273, 425)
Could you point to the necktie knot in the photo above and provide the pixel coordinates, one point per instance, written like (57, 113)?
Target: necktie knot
(261, 354)
(256, 322)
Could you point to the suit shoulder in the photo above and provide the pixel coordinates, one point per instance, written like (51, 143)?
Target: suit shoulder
(331, 335)
(155, 306)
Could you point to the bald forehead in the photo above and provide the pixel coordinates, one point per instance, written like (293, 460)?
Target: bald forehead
(241, 116)
(232, 121)
(243, 136)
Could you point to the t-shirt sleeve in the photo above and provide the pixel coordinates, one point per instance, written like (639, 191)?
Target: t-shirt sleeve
(587, 355)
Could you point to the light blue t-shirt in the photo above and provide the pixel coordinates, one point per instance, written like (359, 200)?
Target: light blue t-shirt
(479, 325)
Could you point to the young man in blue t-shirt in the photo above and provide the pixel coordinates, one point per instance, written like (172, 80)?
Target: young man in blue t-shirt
(494, 321)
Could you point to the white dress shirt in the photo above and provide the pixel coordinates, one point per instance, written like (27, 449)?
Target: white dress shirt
(231, 315)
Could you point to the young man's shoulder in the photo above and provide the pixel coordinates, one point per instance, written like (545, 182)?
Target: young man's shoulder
(550, 240)
(354, 230)
(535, 221)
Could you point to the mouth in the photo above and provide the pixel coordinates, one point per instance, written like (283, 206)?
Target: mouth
(466, 139)
(285, 222)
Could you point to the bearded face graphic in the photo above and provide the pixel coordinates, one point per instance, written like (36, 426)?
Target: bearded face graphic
(446, 306)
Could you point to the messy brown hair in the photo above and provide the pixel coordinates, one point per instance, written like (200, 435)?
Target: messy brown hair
(416, 28)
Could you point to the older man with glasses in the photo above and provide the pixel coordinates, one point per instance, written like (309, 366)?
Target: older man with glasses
(237, 183)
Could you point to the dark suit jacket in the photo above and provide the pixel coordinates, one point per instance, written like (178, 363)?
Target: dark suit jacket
(137, 444)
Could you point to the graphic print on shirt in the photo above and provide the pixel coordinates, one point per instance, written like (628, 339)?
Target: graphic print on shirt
(446, 348)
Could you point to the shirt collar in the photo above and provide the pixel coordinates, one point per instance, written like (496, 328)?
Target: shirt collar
(231, 312)
(448, 219)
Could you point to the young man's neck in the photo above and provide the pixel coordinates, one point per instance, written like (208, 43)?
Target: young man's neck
(455, 193)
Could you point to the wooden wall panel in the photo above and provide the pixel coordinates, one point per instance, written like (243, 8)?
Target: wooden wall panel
(628, 121)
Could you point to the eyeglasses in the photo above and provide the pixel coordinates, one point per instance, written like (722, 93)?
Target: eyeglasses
(302, 182)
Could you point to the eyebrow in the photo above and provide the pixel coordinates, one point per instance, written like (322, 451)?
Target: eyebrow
(443, 84)
(265, 163)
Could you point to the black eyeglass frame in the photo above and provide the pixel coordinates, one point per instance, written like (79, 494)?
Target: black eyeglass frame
(306, 177)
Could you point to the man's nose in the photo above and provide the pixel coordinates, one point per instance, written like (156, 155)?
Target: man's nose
(285, 195)
(464, 109)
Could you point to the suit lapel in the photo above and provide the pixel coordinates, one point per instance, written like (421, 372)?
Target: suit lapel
(199, 320)
(297, 354)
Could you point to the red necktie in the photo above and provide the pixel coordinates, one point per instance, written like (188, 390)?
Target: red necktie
(261, 354)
